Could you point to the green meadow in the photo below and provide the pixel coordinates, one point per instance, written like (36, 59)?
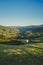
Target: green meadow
(28, 54)
(21, 45)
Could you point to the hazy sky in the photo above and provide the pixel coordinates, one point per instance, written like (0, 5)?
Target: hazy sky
(21, 12)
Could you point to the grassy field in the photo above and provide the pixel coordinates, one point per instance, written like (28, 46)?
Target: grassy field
(28, 54)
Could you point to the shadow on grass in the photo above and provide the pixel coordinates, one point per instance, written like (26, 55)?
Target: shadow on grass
(13, 42)
(27, 59)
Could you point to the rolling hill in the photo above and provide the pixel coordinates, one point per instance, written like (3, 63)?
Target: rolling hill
(34, 28)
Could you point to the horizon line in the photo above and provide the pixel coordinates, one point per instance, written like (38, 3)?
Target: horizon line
(23, 25)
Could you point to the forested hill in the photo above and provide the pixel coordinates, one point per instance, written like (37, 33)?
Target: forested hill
(8, 32)
(16, 29)
(34, 28)
(15, 32)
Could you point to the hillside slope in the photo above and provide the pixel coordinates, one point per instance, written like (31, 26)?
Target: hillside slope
(34, 28)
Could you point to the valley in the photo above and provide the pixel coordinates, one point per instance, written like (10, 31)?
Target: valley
(21, 45)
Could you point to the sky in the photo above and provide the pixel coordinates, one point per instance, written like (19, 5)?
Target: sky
(21, 12)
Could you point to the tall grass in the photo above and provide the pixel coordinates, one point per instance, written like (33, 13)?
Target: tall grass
(28, 54)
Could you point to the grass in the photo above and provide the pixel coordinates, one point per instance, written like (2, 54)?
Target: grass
(28, 54)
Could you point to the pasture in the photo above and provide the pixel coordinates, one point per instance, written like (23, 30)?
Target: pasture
(28, 54)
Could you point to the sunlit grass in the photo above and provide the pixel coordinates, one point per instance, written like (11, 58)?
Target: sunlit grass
(34, 51)
(13, 51)
(29, 54)
(18, 50)
(39, 45)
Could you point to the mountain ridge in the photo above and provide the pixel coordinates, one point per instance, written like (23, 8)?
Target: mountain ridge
(33, 28)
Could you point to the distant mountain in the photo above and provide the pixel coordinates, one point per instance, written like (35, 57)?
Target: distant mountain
(17, 32)
(34, 28)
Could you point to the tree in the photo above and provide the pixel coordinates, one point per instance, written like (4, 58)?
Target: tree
(28, 35)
